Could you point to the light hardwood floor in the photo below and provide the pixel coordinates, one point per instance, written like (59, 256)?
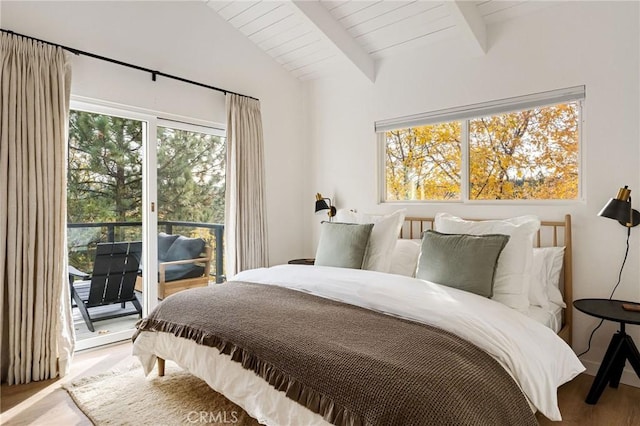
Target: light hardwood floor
(616, 407)
(46, 403)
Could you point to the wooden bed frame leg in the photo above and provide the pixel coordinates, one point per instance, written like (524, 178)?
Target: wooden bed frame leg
(160, 367)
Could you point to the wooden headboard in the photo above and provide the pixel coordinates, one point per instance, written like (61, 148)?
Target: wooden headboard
(550, 234)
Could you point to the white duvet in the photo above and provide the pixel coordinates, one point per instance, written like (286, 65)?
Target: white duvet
(533, 354)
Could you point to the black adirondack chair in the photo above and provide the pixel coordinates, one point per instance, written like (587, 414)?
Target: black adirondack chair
(113, 279)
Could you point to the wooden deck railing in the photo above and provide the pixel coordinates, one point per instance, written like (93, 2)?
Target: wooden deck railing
(218, 232)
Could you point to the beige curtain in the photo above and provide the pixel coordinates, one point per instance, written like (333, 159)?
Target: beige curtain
(37, 332)
(245, 212)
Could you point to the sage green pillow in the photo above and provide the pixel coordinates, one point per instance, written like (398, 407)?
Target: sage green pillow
(465, 262)
(343, 245)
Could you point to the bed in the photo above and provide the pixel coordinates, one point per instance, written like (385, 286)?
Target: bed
(550, 234)
(319, 345)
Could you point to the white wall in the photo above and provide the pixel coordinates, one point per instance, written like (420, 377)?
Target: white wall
(574, 43)
(190, 40)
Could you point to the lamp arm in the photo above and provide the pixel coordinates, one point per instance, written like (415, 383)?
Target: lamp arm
(332, 209)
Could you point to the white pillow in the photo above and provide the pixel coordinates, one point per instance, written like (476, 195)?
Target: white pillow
(545, 276)
(404, 260)
(513, 273)
(383, 237)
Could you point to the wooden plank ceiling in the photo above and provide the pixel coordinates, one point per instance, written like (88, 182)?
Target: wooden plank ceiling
(311, 39)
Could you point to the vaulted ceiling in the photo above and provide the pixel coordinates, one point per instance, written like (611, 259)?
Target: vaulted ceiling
(312, 38)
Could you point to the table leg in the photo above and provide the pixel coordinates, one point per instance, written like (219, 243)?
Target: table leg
(160, 367)
(633, 354)
(617, 366)
(608, 362)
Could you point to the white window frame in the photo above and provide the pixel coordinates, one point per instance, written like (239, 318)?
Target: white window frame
(193, 126)
(463, 115)
(153, 119)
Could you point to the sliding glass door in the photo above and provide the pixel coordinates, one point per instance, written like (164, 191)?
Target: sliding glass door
(190, 191)
(136, 184)
(106, 219)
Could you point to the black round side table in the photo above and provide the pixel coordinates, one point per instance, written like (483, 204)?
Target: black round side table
(301, 262)
(621, 348)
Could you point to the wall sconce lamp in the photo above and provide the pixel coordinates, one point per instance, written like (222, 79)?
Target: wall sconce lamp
(620, 209)
(321, 204)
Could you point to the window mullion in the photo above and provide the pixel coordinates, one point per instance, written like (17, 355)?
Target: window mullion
(150, 215)
(464, 167)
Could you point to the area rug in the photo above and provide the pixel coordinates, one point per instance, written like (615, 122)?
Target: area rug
(129, 398)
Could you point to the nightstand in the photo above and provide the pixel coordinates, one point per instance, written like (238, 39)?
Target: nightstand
(301, 262)
(621, 348)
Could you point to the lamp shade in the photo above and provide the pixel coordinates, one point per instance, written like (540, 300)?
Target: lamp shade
(619, 208)
(321, 205)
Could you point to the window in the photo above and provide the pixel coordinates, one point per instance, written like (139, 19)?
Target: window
(424, 162)
(523, 148)
(104, 182)
(191, 181)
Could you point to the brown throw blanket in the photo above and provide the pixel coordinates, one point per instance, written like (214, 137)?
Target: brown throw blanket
(351, 365)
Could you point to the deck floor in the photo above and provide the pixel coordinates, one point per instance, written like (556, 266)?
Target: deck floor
(111, 325)
(107, 326)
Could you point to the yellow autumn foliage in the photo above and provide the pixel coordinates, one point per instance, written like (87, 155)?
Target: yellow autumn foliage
(531, 154)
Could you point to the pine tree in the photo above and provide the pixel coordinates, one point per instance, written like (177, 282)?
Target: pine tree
(105, 179)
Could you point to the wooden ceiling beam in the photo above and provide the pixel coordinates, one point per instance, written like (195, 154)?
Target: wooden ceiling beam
(320, 18)
(471, 24)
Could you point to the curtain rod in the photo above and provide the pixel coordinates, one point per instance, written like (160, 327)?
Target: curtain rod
(153, 73)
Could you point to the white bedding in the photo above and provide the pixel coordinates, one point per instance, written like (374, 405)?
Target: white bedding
(549, 317)
(251, 392)
(532, 353)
